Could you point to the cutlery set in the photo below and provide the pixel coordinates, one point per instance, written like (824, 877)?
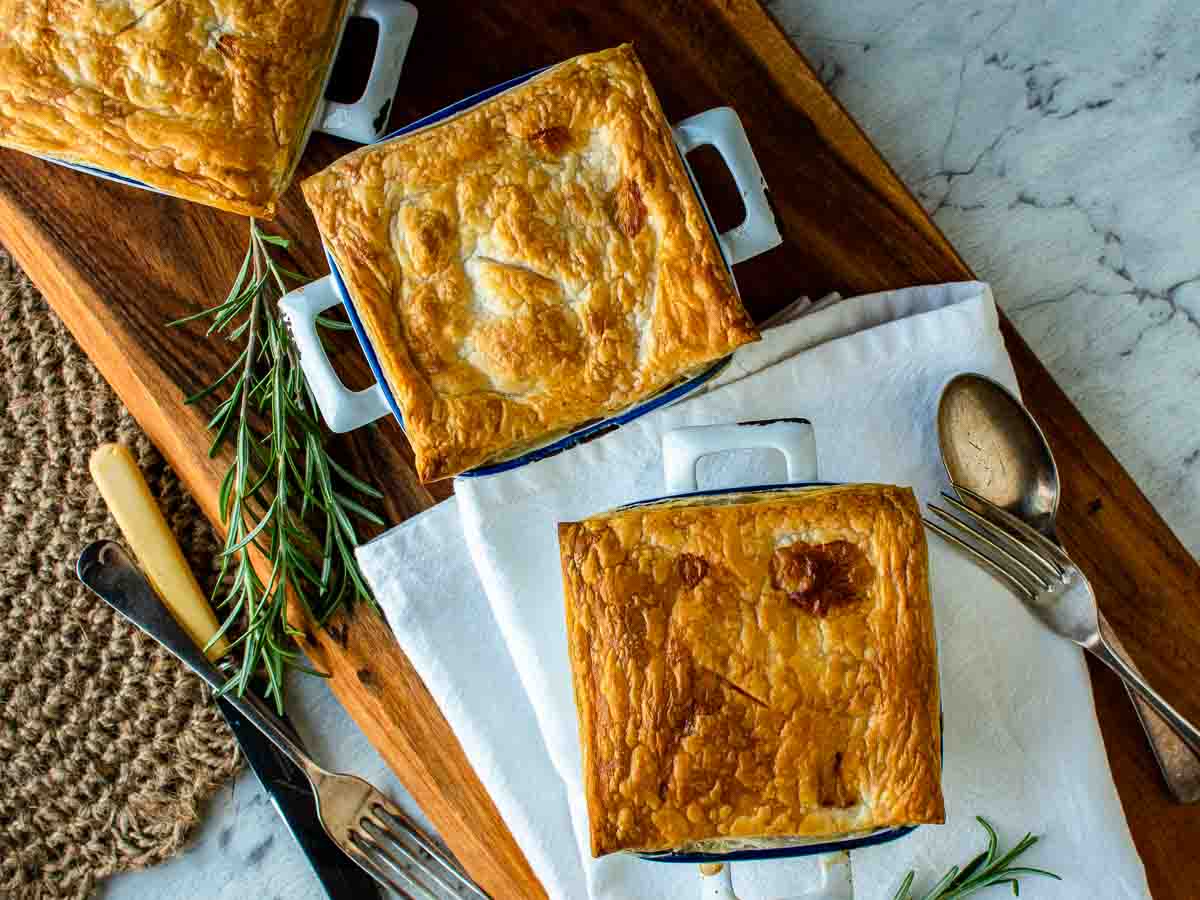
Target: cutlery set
(1001, 466)
(1006, 482)
(338, 820)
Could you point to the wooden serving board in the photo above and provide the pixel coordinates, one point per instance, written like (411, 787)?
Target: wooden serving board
(117, 264)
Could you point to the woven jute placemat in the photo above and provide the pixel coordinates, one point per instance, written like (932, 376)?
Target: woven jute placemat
(107, 746)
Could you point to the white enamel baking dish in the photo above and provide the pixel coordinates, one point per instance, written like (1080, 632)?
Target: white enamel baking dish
(682, 450)
(362, 121)
(345, 410)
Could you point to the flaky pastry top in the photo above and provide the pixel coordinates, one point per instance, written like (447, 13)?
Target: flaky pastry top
(209, 100)
(763, 668)
(533, 263)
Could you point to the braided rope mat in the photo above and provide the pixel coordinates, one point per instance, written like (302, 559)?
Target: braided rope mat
(107, 747)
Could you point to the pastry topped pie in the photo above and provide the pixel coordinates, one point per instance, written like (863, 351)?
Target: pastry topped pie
(754, 669)
(533, 263)
(209, 100)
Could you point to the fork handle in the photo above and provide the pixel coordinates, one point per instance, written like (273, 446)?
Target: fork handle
(110, 574)
(1188, 732)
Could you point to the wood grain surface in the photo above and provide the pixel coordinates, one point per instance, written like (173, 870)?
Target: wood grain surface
(117, 264)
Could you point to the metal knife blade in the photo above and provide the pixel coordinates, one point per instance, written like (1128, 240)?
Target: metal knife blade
(293, 799)
(285, 784)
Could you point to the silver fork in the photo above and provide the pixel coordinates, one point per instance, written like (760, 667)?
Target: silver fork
(1049, 584)
(368, 827)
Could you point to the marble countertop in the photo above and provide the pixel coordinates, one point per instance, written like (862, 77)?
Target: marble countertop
(1056, 144)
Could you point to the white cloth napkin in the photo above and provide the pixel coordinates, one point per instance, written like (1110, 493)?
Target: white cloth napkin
(1022, 747)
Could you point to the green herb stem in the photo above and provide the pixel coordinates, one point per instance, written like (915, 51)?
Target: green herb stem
(989, 869)
(283, 495)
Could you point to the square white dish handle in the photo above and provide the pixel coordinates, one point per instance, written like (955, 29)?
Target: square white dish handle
(721, 129)
(716, 881)
(684, 447)
(365, 120)
(342, 409)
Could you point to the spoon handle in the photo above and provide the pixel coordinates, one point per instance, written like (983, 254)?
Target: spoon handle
(1179, 766)
(1189, 733)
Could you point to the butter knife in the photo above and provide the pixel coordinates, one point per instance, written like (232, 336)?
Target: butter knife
(162, 561)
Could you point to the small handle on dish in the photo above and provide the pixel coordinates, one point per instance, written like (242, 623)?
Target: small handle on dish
(684, 447)
(342, 409)
(721, 129)
(365, 119)
(716, 882)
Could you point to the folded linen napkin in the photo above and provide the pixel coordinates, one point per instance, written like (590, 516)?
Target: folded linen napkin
(1021, 742)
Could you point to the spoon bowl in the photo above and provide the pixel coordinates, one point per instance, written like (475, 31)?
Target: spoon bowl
(990, 444)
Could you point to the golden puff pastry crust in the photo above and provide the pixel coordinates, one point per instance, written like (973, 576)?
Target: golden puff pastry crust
(535, 262)
(761, 668)
(209, 100)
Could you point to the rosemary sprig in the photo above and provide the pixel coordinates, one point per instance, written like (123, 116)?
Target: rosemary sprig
(988, 869)
(283, 494)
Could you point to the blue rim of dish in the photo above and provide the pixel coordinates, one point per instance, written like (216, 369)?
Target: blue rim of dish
(581, 434)
(867, 840)
(879, 836)
(105, 174)
(586, 432)
(718, 492)
(459, 105)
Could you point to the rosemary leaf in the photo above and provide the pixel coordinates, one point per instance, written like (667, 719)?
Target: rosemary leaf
(972, 867)
(236, 334)
(204, 392)
(938, 891)
(207, 311)
(221, 423)
(905, 887)
(358, 509)
(983, 871)
(334, 324)
(288, 273)
(305, 568)
(268, 500)
(357, 483)
(254, 532)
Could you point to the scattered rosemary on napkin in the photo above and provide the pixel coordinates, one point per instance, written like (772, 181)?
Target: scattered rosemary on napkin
(283, 494)
(987, 869)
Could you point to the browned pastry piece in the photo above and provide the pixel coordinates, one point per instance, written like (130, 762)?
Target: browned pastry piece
(533, 263)
(760, 668)
(209, 100)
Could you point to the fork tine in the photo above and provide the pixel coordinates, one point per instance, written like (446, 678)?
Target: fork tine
(1057, 557)
(367, 858)
(383, 811)
(404, 823)
(362, 855)
(996, 531)
(1019, 586)
(384, 841)
(987, 537)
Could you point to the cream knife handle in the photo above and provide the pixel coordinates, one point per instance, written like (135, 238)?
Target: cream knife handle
(120, 481)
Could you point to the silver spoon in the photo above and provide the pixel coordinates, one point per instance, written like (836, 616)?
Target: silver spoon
(991, 445)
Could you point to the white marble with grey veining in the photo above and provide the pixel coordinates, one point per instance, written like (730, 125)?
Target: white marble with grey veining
(241, 849)
(1058, 146)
